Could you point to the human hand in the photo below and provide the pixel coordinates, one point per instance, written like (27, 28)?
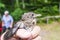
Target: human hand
(2, 25)
(30, 38)
(10, 26)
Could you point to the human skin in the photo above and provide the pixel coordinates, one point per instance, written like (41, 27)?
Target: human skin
(25, 35)
(2, 36)
(22, 33)
(34, 33)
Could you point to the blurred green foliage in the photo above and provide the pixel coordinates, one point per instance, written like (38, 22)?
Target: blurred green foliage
(2, 5)
(17, 14)
(18, 7)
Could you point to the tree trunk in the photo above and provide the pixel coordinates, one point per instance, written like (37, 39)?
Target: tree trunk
(23, 5)
(17, 3)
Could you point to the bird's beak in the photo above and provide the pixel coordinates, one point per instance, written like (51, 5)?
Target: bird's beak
(36, 15)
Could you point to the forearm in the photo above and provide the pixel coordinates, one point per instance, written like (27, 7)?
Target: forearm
(2, 24)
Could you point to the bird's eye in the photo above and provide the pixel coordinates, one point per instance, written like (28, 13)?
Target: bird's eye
(32, 14)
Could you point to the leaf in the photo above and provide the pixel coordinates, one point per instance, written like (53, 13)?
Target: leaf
(2, 5)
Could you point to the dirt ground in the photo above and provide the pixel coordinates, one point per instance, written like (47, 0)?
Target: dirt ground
(50, 31)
